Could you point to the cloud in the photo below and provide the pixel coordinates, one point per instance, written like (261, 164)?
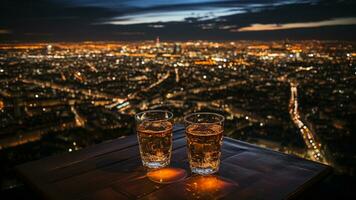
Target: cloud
(273, 27)
(121, 20)
(172, 16)
(163, 11)
(5, 31)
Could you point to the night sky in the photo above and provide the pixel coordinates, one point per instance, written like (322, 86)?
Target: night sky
(121, 20)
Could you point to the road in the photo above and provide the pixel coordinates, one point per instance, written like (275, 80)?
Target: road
(79, 120)
(63, 88)
(123, 104)
(314, 146)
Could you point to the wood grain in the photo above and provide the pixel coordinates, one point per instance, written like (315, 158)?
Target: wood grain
(113, 170)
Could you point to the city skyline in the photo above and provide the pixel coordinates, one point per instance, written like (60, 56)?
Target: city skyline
(138, 20)
(67, 76)
(74, 73)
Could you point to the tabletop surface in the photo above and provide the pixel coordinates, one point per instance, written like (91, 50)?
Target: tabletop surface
(113, 170)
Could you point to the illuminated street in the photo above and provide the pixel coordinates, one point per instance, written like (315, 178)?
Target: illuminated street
(314, 146)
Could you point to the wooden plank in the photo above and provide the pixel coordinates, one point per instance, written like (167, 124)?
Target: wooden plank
(105, 194)
(139, 185)
(184, 189)
(38, 175)
(67, 159)
(102, 161)
(103, 177)
(258, 173)
(114, 170)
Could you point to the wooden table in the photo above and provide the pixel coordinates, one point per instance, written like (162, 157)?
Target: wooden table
(113, 170)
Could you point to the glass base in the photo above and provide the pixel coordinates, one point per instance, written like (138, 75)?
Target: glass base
(155, 165)
(204, 171)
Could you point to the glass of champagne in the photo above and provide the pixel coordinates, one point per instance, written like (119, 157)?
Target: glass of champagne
(154, 134)
(204, 131)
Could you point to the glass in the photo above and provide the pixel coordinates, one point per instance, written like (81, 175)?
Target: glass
(204, 132)
(154, 134)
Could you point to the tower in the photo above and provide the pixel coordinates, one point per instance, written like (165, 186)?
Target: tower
(157, 42)
(177, 49)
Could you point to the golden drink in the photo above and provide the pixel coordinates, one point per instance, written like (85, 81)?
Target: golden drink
(204, 147)
(155, 142)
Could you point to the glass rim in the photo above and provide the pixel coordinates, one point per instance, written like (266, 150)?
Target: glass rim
(170, 115)
(221, 120)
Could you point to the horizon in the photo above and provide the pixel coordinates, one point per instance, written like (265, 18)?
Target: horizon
(170, 41)
(213, 20)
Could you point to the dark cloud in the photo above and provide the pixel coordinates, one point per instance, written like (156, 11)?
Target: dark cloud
(47, 20)
(69, 20)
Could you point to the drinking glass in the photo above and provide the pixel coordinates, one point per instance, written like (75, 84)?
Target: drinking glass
(154, 134)
(204, 131)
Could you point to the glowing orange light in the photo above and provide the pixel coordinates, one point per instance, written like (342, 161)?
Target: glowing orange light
(2, 105)
(207, 187)
(205, 62)
(167, 175)
(207, 183)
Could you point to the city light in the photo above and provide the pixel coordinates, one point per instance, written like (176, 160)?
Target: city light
(294, 97)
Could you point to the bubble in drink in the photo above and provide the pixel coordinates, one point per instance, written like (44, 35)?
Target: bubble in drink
(204, 147)
(155, 142)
